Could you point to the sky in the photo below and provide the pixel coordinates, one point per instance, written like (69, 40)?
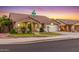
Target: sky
(56, 12)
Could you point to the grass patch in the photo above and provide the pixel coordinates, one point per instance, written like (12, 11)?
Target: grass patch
(42, 34)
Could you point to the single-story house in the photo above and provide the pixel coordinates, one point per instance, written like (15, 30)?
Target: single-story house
(35, 21)
(68, 25)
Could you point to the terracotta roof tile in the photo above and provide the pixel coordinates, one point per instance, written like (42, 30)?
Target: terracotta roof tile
(66, 21)
(18, 17)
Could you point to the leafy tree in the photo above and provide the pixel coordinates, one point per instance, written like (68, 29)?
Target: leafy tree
(5, 22)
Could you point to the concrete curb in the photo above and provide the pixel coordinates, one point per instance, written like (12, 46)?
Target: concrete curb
(42, 40)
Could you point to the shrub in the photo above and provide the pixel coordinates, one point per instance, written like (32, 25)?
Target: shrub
(23, 30)
(13, 31)
(41, 29)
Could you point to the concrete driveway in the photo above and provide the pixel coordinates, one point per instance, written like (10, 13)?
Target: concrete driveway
(64, 36)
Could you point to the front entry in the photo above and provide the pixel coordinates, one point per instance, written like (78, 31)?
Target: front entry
(29, 27)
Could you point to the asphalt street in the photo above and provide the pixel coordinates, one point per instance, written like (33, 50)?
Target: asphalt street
(71, 45)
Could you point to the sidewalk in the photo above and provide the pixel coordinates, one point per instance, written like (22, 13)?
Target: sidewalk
(65, 36)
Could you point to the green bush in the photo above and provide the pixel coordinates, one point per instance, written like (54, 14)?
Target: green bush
(41, 29)
(13, 31)
(23, 29)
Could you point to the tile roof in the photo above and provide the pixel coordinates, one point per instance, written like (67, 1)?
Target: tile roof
(55, 22)
(66, 21)
(18, 17)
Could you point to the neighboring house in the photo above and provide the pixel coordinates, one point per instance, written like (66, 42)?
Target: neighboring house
(68, 25)
(36, 21)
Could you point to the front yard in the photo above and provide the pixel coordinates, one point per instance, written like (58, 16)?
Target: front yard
(43, 34)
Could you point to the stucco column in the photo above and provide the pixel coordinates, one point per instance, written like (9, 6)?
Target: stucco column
(33, 27)
(73, 28)
(67, 28)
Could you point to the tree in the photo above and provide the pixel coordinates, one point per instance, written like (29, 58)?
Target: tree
(5, 23)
